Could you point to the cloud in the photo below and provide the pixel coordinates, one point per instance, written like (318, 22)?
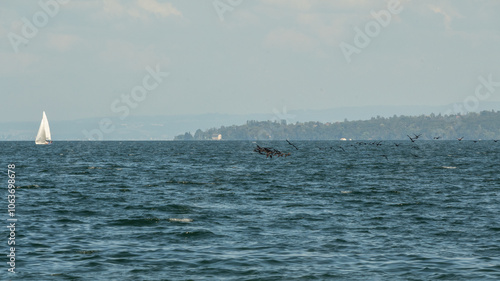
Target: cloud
(130, 56)
(301, 5)
(448, 13)
(328, 29)
(162, 10)
(140, 9)
(18, 64)
(113, 8)
(62, 42)
(317, 24)
(309, 5)
(289, 39)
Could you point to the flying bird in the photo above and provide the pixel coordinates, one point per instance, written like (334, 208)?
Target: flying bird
(291, 144)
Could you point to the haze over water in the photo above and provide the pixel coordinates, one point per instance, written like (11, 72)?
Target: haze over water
(219, 211)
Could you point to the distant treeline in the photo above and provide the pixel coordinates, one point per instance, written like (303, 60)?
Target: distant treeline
(483, 125)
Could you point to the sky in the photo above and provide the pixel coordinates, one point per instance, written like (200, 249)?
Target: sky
(95, 58)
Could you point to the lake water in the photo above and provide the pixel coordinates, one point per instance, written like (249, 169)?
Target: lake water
(333, 210)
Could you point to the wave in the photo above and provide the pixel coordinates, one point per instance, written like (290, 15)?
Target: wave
(179, 220)
(29, 186)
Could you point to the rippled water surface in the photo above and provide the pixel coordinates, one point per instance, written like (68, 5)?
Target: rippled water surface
(220, 211)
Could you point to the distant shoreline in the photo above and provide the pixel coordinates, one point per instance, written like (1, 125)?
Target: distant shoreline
(472, 126)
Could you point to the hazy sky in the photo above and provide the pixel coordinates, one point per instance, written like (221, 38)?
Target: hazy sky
(95, 58)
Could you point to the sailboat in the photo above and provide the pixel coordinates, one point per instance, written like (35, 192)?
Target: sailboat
(43, 136)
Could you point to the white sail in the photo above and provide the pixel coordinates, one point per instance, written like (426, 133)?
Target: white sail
(43, 136)
(47, 128)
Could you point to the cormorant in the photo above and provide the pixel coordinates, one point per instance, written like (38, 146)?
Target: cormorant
(291, 144)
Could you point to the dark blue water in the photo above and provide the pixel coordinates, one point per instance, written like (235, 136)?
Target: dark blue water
(220, 211)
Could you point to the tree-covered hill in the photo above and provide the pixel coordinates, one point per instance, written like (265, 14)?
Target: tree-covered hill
(483, 125)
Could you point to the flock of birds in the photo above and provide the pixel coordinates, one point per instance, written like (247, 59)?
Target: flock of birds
(270, 152)
(415, 137)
